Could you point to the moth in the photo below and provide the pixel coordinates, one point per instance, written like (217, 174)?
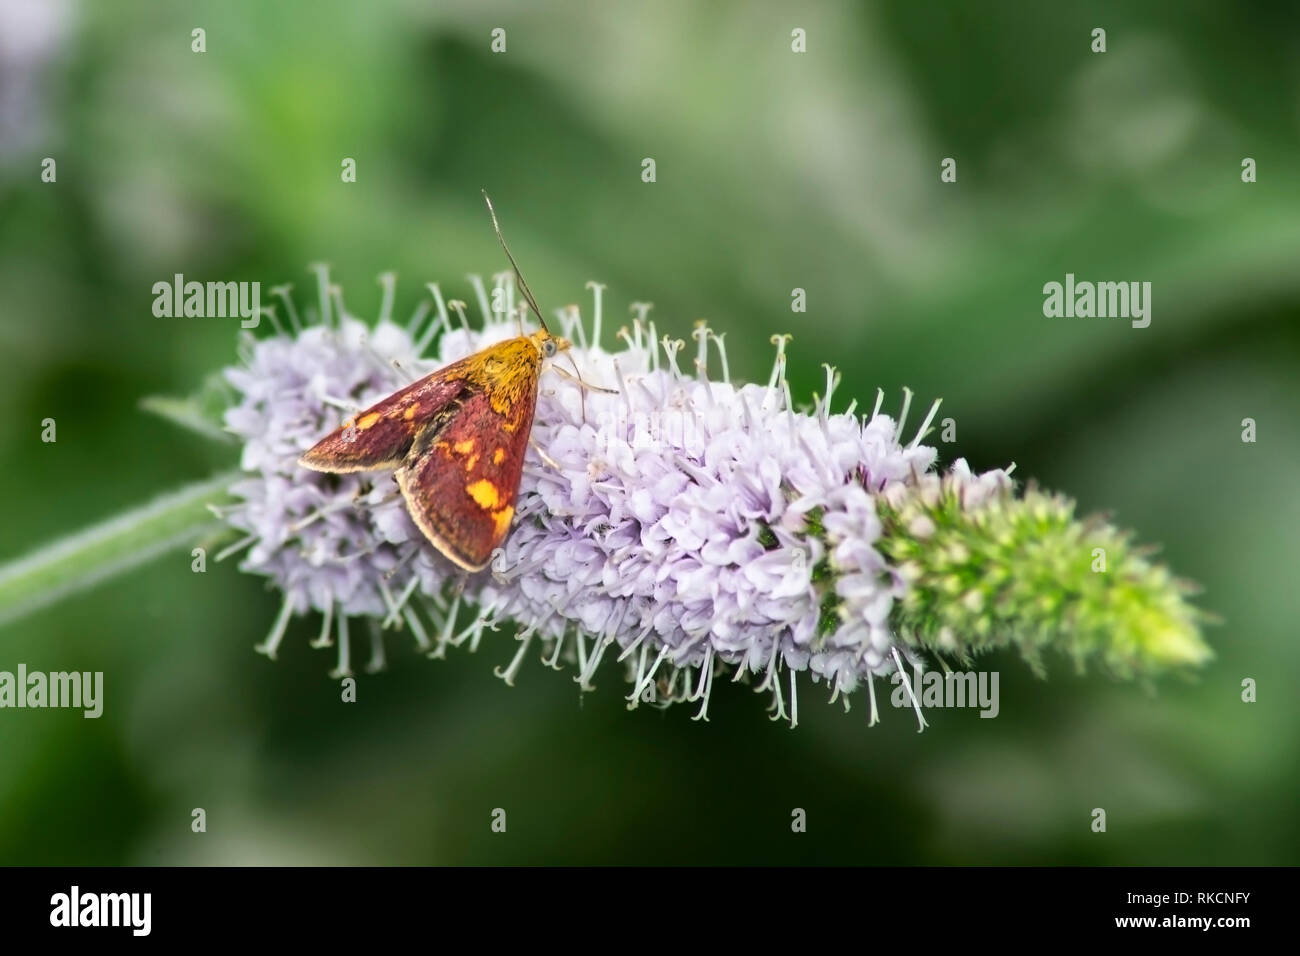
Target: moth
(456, 439)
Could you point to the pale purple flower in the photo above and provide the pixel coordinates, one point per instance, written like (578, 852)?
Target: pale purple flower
(687, 526)
(667, 525)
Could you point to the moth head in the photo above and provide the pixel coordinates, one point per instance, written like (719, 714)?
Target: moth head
(547, 344)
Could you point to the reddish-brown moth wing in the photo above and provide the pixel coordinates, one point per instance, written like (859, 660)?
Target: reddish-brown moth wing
(457, 439)
(380, 437)
(461, 486)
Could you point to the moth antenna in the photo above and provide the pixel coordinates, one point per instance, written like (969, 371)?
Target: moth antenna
(523, 286)
(582, 392)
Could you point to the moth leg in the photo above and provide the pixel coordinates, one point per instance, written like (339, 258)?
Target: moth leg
(546, 459)
(587, 385)
(584, 386)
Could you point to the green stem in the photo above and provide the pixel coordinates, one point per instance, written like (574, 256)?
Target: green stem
(110, 548)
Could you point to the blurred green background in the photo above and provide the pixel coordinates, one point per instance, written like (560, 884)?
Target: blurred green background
(775, 170)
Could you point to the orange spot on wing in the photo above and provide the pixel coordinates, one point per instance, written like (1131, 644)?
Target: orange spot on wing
(464, 447)
(365, 421)
(485, 494)
(471, 462)
(409, 413)
(498, 456)
(502, 519)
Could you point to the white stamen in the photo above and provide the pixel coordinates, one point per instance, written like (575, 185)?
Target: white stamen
(509, 673)
(580, 641)
(457, 306)
(484, 307)
(671, 348)
(344, 668)
(778, 702)
(282, 292)
(377, 661)
(272, 642)
(597, 290)
(770, 671)
(722, 356)
(705, 690)
(237, 546)
(508, 285)
(902, 416)
(832, 381)
(635, 697)
(778, 364)
(313, 516)
(388, 280)
(439, 324)
(652, 342)
(925, 425)
(417, 629)
(554, 662)
(396, 607)
(598, 651)
(631, 648)
(794, 700)
(322, 271)
(643, 683)
(327, 618)
(701, 335)
(573, 326)
(642, 309)
(444, 635)
(269, 312)
(916, 704)
(340, 311)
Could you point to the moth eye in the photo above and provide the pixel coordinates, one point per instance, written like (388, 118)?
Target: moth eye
(548, 348)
